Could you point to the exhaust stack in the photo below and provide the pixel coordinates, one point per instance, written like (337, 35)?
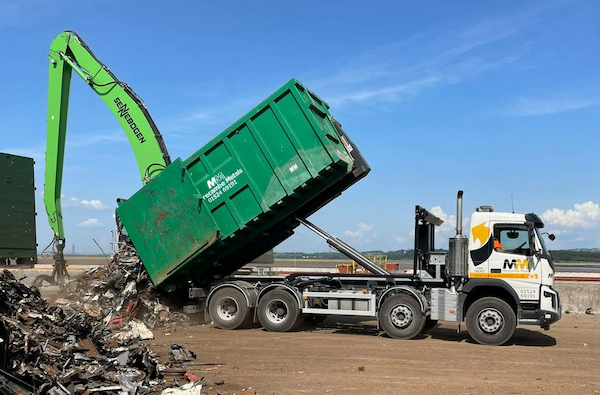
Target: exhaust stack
(458, 254)
(459, 213)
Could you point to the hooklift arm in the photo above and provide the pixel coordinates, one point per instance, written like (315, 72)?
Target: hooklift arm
(69, 52)
(347, 250)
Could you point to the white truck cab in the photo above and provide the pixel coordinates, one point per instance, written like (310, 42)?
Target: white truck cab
(507, 251)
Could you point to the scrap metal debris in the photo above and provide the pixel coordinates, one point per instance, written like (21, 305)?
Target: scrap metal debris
(190, 388)
(181, 354)
(122, 290)
(89, 341)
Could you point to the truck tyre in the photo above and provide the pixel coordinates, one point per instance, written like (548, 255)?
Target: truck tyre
(228, 309)
(491, 321)
(401, 317)
(278, 311)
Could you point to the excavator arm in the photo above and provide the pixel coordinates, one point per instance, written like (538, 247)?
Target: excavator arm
(69, 52)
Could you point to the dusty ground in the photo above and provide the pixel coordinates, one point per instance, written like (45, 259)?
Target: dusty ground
(353, 358)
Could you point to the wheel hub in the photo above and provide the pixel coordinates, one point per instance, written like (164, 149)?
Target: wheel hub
(490, 320)
(228, 309)
(277, 311)
(401, 316)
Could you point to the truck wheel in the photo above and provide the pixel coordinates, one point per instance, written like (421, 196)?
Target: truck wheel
(401, 317)
(228, 309)
(278, 311)
(491, 321)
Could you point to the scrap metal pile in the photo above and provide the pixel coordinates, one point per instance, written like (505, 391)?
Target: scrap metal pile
(122, 291)
(89, 340)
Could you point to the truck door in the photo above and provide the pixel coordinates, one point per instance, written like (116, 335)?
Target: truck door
(511, 259)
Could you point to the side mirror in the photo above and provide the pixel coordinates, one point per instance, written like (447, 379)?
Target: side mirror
(550, 236)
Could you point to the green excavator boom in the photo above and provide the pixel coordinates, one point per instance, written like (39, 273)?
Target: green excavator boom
(68, 53)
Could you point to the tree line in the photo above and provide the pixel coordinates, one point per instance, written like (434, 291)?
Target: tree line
(579, 255)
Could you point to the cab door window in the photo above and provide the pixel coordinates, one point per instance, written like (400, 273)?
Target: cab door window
(511, 239)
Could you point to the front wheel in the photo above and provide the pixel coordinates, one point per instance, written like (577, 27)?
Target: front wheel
(278, 311)
(491, 321)
(401, 317)
(228, 309)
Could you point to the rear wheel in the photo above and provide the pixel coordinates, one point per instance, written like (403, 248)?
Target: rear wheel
(278, 311)
(228, 309)
(491, 321)
(401, 317)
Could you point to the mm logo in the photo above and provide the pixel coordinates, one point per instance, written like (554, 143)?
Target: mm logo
(215, 180)
(516, 264)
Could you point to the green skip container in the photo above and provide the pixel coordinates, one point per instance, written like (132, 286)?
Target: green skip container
(17, 210)
(239, 195)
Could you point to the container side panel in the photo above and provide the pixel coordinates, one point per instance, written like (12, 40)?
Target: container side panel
(218, 186)
(318, 116)
(217, 156)
(306, 139)
(196, 169)
(224, 218)
(246, 207)
(262, 180)
(168, 222)
(280, 152)
(17, 207)
(239, 195)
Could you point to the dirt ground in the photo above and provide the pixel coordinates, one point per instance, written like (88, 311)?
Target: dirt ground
(346, 356)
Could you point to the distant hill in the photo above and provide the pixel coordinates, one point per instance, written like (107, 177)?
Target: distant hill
(577, 255)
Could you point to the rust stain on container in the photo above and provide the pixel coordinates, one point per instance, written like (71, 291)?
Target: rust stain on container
(162, 216)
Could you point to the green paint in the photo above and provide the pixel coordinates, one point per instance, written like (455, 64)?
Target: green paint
(69, 52)
(17, 208)
(237, 196)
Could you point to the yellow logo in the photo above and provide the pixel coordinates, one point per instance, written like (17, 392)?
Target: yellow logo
(480, 232)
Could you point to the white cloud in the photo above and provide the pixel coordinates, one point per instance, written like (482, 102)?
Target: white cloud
(204, 121)
(544, 106)
(449, 224)
(448, 228)
(94, 139)
(94, 204)
(385, 93)
(400, 239)
(585, 215)
(90, 223)
(432, 59)
(362, 232)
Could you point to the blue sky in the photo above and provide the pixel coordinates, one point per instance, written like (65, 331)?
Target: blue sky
(497, 98)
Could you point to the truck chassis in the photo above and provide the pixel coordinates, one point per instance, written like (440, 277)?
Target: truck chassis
(403, 305)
